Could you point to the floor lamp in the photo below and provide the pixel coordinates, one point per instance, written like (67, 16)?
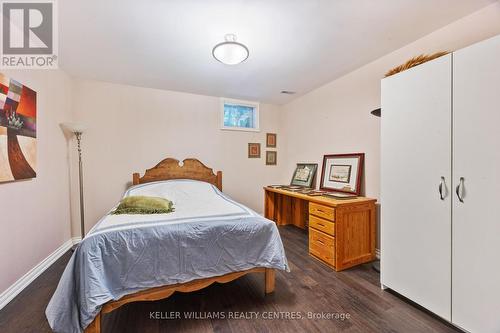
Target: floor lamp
(77, 129)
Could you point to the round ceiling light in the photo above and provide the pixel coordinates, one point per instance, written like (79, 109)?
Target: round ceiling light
(230, 52)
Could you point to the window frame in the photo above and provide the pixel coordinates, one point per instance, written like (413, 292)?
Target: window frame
(251, 104)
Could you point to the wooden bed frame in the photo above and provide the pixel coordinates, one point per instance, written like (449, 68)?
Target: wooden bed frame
(170, 168)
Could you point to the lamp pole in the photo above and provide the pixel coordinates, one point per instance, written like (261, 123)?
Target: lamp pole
(80, 171)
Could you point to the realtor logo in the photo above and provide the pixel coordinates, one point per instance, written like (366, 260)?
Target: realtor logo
(29, 35)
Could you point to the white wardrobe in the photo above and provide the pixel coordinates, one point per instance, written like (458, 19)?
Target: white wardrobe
(440, 194)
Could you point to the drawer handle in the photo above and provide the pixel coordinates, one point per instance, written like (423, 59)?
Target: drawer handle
(321, 224)
(320, 241)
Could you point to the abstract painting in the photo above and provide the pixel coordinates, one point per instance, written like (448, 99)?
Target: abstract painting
(17, 130)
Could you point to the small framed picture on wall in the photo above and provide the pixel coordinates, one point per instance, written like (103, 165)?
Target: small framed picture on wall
(271, 140)
(342, 173)
(254, 150)
(271, 157)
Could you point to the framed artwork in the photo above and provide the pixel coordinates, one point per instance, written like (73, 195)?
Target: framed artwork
(342, 173)
(239, 115)
(304, 175)
(17, 130)
(254, 150)
(271, 157)
(271, 140)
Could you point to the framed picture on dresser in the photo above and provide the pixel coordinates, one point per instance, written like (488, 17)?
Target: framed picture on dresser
(342, 173)
(304, 175)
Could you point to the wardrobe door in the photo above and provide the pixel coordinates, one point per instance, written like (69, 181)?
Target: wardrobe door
(476, 158)
(416, 159)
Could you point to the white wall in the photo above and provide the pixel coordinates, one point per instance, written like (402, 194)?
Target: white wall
(35, 214)
(336, 117)
(132, 128)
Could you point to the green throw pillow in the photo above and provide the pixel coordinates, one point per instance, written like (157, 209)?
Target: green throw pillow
(144, 205)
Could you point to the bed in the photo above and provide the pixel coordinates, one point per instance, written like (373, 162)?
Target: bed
(127, 258)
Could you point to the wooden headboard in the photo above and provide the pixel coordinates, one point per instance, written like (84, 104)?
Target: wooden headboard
(170, 168)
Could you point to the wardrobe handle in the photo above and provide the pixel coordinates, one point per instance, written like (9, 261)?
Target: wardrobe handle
(441, 185)
(459, 189)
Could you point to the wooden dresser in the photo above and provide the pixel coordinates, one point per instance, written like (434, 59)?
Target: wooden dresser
(341, 232)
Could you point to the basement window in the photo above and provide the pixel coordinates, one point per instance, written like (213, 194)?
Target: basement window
(239, 115)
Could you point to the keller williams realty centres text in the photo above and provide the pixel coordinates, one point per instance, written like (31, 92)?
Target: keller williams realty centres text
(249, 315)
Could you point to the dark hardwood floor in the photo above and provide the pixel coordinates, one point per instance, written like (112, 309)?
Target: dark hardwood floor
(310, 287)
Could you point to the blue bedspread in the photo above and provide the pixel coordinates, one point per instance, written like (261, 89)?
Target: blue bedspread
(122, 255)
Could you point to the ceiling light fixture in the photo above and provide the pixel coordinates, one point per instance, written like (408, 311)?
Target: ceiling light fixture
(230, 52)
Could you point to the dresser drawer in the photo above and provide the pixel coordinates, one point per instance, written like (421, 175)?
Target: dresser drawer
(322, 211)
(322, 246)
(323, 225)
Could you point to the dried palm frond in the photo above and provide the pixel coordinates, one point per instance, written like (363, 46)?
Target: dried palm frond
(415, 61)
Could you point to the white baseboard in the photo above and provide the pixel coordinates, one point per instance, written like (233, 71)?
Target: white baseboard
(377, 253)
(29, 277)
